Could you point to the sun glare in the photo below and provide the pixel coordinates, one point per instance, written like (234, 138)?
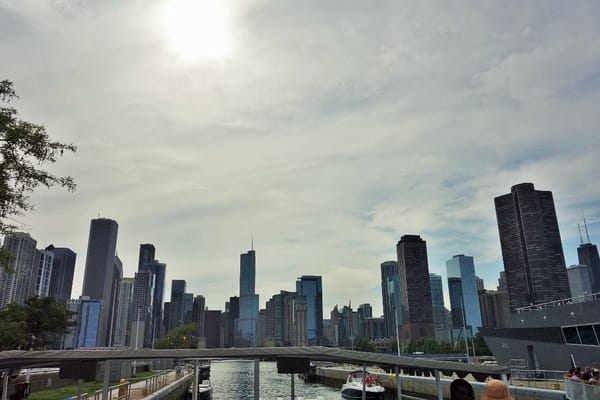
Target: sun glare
(197, 29)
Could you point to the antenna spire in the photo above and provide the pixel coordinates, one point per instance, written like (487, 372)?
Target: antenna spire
(252, 243)
(580, 237)
(586, 229)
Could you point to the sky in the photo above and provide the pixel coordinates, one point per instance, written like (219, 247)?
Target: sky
(321, 130)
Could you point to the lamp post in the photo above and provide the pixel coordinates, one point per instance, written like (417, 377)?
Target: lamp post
(137, 335)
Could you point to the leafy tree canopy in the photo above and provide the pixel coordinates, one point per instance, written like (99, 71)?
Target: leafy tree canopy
(178, 338)
(39, 322)
(24, 149)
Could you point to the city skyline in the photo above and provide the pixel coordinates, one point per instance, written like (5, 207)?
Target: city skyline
(326, 133)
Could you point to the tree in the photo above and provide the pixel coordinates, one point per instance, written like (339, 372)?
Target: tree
(40, 322)
(24, 149)
(178, 338)
(364, 344)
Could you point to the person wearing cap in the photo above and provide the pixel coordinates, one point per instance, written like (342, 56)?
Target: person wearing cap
(496, 390)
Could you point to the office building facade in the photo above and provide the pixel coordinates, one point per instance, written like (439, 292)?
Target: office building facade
(101, 274)
(464, 298)
(440, 320)
(248, 301)
(123, 312)
(311, 287)
(415, 290)
(588, 255)
(63, 269)
(531, 246)
(580, 280)
(389, 269)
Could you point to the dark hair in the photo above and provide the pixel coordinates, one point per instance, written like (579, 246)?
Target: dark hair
(461, 382)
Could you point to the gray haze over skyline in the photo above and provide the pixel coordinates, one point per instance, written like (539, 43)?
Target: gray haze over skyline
(325, 130)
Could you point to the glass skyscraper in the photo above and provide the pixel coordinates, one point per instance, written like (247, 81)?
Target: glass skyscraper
(311, 287)
(389, 269)
(462, 288)
(248, 312)
(440, 320)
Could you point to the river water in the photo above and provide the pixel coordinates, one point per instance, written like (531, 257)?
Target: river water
(233, 380)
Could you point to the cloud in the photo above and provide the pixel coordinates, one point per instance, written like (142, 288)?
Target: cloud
(329, 133)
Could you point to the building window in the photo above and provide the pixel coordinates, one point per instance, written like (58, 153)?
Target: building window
(587, 335)
(571, 335)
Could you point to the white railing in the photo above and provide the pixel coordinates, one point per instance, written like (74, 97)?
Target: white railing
(581, 391)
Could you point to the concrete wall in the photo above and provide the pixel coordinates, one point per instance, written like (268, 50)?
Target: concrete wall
(418, 385)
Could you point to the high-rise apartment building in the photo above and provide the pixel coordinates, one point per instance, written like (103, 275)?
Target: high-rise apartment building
(464, 298)
(389, 269)
(14, 288)
(246, 327)
(531, 246)
(440, 320)
(495, 308)
(123, 312)
(63, 269)
(39, 283)
(101, 274)
(415, 290)
(311, 287)
(198, 314)
(87, 317)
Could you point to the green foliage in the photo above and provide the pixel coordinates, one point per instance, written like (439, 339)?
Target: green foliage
(39, 322)
(178, 338)
(24, 148)
(364, 344)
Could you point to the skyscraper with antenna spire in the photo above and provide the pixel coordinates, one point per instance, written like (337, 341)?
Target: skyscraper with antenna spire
(588, 255)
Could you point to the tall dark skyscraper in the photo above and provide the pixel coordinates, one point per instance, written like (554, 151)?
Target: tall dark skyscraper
(588, 255)
(246, 327)
(415, 289)
(61, 279)
(311, 287)
(177, 303)
(389, 270)
(100, 271)
(156, 285)
(531, 247)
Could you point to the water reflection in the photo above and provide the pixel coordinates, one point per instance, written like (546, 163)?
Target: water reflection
(235, 380)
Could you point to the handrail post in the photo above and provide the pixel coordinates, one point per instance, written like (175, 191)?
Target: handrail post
(257, 379)
(106, 379)
(438, 384)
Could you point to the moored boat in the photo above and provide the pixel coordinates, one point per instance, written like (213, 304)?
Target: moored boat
(358, 381)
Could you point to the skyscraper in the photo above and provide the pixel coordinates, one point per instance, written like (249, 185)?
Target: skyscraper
(580, 280)
(464, 298)
(100, 272)
(157, 270)
(415, 290)
(177, 303)
(124, 307)
(389, 269)
(39, 284)
(588, 255)
(440, 321)
(311, 287)
(14, 288)
(63, 269)
(246, 329)
(531, 247)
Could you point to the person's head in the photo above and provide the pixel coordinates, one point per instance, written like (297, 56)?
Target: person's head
(461, 390)
(496, 390)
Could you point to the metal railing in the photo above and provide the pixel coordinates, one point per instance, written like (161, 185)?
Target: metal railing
(117, 392)
(581, 391)
(537, 378)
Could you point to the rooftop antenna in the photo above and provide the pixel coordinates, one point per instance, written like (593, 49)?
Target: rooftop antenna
(252, 243)
(586, 230)
(580, 237)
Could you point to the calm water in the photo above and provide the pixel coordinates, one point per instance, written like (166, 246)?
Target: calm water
(234, 380)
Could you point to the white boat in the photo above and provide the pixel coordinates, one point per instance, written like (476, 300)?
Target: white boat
(204, 386)
(356, 383)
